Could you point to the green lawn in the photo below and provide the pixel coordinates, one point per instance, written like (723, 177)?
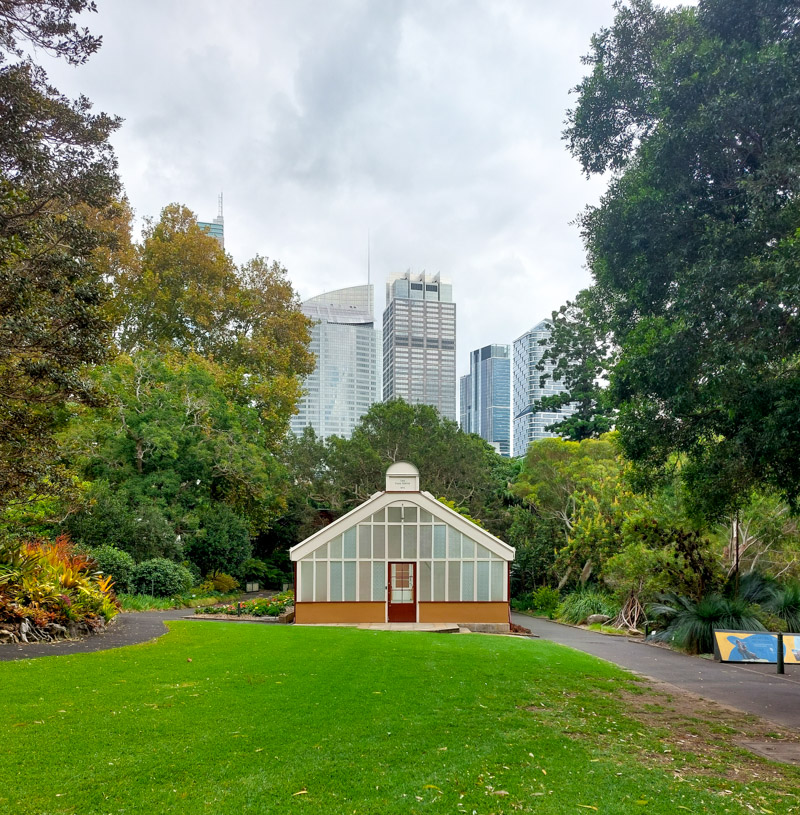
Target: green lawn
(273, 719)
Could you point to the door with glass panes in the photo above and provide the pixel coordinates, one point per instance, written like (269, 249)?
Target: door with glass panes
(402, 593)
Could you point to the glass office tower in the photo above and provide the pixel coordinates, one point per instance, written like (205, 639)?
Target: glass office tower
(419, 342)
(529, 425)
(486, 396)
(346, 380)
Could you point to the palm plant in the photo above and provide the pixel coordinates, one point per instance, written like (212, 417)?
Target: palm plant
(786, 605)
(689, 624)
(754, 587)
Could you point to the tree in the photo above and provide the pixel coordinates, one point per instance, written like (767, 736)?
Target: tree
(454, 465)
(694, 248)
(184, 293)
(555, 472)
(57, 175)
(579, 359)
(175, 451)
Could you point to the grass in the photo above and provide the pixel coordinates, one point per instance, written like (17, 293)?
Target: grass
(148, 602)
(223, 718)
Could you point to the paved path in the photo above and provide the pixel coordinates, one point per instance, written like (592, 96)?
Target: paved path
(126, 629)
(753, 688)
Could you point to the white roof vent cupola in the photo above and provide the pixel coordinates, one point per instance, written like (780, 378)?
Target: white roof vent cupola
(402, 477)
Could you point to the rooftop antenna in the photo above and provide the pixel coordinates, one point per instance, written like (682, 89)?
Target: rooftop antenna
(219, 219)
(369, 271)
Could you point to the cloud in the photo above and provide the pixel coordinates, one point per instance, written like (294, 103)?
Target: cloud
(433, 125)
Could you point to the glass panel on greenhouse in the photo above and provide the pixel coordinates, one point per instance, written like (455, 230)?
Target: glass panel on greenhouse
(364, 541)
(426, 542)
(467, 581)
(306, 581)
(395, 531)
(425, 574)
(349, 543)
(378, 582)
(336, 581)
(321, 582)
(439, 581)
(378, 544)
(453, 543)
(483, 581)
(439, 538)
(349, 580)
(409, 542)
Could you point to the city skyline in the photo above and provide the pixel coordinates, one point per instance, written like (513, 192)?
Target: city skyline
(435, 128)
(529, 424)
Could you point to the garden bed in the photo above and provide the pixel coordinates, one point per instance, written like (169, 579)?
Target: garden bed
(233, 618)
(277, 608)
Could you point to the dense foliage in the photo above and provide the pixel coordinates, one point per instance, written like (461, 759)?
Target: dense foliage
(160, 577)
(694, 247)
(47, 584)
(335, 475)
(57, 177)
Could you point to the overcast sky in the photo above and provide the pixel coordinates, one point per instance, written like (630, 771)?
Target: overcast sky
(433, 125)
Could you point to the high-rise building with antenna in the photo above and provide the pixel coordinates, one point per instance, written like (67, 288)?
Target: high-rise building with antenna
(216, 228)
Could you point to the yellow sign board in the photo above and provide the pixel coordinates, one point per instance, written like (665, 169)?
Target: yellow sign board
(754, 646)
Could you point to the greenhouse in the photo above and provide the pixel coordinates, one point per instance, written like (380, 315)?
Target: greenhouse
(403, 556)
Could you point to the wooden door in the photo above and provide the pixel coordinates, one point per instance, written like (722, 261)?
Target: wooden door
(402, 593)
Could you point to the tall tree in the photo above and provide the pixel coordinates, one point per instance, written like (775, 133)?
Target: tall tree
(173, 450)
(454, 465)
(57, 177)
(578, 357)
(695, 247)
(184, 293)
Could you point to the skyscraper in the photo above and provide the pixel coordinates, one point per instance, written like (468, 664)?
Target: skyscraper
(419, 342)
(215, 228)
(486, 396)
(346, 380)
(529, 425)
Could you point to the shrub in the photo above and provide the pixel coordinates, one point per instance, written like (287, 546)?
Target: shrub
(51, 582)
(545, 599)
(267, 572)
(255, 569)
(161, 577)
(580, 604)
(753, 587)
(689, 624)
(194, 570)
(786, 604)
(116, 563)
(224, 583)
(524, 602)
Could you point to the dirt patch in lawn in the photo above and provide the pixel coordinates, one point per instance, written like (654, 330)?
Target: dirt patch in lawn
(698, 735)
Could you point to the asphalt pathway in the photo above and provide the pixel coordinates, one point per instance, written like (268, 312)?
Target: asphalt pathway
(752, 688)
(126, 629)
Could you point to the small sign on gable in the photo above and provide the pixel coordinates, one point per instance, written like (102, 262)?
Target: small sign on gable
(400, 483)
